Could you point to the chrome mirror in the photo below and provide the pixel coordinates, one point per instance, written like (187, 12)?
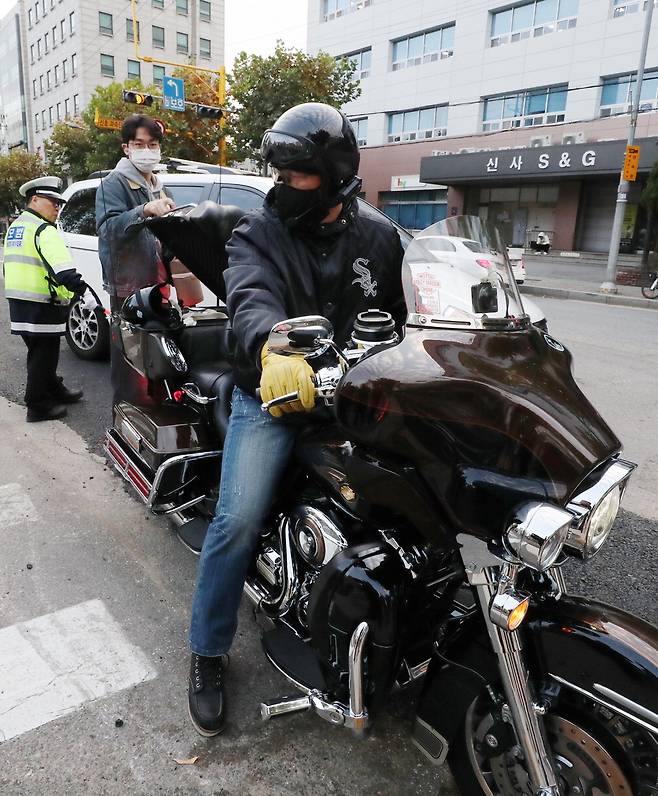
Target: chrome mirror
(310, 335)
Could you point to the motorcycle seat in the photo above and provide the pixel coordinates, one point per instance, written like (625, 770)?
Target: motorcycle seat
(215, 380)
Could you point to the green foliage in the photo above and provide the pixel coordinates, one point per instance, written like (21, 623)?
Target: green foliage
(16, 168)
(67, 151)
(261, 89)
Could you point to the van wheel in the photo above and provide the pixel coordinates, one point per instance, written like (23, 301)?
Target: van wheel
(87, 331)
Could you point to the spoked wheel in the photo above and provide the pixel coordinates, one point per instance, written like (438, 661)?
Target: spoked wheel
(596, 752)
(651, 292)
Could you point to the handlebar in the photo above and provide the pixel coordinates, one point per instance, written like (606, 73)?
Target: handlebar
(325, 381)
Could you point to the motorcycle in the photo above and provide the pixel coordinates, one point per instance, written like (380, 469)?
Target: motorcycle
(423, 528)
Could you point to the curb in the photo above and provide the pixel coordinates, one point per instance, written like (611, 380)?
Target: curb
(595, 298)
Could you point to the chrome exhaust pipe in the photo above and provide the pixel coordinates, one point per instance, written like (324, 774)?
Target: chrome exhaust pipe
(358, 716)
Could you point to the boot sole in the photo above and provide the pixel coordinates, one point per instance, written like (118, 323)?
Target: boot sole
(199, 729)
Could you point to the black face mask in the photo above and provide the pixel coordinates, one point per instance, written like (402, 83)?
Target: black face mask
(300, 209)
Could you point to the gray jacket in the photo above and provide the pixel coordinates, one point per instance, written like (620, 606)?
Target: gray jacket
(129, 254)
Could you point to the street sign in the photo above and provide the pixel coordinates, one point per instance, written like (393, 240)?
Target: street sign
(107, 124)
(631, 162)
(173, 94)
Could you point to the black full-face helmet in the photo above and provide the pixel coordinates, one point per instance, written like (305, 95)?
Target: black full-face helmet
(316, 138)
(150, 310)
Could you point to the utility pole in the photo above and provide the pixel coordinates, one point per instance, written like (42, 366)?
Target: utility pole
(609, 286)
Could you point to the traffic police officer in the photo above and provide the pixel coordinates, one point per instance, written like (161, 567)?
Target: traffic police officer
(40, 281)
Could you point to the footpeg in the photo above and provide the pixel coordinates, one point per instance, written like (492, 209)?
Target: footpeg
(293, 704)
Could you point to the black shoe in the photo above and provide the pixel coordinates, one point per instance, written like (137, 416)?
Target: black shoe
(205, 694)
(66, 395)
(36, 414)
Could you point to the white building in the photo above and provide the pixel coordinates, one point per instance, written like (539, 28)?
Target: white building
(446, 80)
(73, 46)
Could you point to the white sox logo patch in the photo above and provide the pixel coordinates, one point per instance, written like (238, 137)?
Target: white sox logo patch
(364, 278)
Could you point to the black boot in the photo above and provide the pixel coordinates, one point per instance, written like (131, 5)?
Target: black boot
(37, 413)
(66, 395)
(206, 701)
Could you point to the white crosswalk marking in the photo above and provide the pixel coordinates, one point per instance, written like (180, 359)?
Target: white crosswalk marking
(54, 664)
(15, 505)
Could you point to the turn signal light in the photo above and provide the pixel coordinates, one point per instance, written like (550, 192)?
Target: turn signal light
(518, 614)
(484, 263)
(508, 609)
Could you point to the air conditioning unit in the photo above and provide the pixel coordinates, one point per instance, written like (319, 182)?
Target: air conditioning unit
(435, 153)
(542, 140)
(573, 138)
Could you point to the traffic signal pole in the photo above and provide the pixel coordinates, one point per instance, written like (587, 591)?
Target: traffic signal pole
(610, 286)
(219, 73)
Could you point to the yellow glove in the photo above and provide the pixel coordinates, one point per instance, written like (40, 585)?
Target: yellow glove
(282, 375)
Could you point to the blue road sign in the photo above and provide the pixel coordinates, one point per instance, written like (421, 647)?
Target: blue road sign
(173, 94)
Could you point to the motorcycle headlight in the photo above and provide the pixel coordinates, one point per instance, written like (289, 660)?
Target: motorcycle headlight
(595, 510)
(538, 533)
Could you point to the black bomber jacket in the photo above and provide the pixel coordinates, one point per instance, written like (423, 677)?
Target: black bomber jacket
(349, 266)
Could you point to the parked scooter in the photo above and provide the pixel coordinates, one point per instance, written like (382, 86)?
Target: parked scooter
(423, 527)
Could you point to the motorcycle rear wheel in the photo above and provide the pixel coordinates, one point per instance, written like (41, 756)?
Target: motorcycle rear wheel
(596, 753)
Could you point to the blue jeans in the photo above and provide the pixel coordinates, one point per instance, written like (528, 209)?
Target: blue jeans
(256, 452)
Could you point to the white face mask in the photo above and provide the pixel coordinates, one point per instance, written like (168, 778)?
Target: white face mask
(144, 159)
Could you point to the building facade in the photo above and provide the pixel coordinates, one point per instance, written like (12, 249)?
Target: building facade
(73, 46)
(14, 98)
(444, 82)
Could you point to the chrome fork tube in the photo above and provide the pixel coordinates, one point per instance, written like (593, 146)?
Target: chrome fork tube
(508, 649)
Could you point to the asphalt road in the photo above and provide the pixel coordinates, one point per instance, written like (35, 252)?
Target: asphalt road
(92, 541)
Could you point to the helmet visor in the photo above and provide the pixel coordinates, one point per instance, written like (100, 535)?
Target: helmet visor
(285, 149)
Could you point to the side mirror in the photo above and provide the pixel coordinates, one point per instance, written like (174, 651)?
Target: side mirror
(309, 335)
(485, 297)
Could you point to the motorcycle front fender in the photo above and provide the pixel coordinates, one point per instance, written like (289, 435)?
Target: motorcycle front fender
(589, 647)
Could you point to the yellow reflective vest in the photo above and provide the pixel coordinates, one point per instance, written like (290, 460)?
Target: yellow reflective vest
(27, 276)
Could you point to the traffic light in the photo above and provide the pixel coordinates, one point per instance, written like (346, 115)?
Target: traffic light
(137, 98)
(208, 112)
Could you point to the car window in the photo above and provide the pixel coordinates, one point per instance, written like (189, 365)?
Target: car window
(242, 198)
(186, 194)
(79, 213)
(474, 246)
(443, 245)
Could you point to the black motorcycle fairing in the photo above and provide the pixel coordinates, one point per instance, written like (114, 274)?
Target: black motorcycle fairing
(584, 643)
(363, 583)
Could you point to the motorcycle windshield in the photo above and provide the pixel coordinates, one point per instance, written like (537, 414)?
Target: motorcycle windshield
(457, 274)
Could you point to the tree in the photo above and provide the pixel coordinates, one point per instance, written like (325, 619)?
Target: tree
(16, 168)
(67, 151)
(261, 89)
(649, 200)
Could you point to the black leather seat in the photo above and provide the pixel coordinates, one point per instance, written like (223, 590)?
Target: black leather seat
(215, 380)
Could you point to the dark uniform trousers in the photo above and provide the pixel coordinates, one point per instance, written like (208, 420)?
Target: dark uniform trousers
(43, 384)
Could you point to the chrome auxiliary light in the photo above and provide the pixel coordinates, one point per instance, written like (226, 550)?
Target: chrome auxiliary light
(537, 534)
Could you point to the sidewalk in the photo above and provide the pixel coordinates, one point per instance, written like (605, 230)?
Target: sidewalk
(577, 280)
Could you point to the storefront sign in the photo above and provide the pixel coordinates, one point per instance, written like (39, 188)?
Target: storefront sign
(411, 182)
(600, 158)
(631, 163)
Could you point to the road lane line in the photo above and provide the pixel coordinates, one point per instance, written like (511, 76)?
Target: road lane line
(54, 664)
(15, 505)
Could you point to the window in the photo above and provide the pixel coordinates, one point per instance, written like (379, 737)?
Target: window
(423, 48)
(622, 7)
(67, 109)
(64, 68)
(43, 119)
(107, 65)
(158, 37)
(533, 19)
(46, 42)
(41, 84)
(204, 48)
(182, 45)
(105, 24)
(241, 197)
(74, 61)
(360, 61)
(418, 124)
(618, 92)
(59, 111)
(157, 3)
(525, 108)
(134, 69)
(186, 194)
(72, 23)
(158, 74)
(54, 37)
(36, 13)
(360, 130)
(36, 122)
(129, 31)
(38, 48)
(29, 17)
(204, 10)
(415, 209)
(76, 104)
(50, 116)
(48, 83)
(181, 7)
(331, 9)
(56, 71)
(34, 89)
(31, 53)
(62, 29)
(79, 214)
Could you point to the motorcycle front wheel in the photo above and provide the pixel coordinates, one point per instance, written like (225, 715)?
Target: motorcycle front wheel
(596, 752)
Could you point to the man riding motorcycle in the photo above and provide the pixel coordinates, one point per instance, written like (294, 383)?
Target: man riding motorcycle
(308, 251)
